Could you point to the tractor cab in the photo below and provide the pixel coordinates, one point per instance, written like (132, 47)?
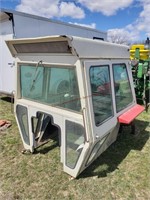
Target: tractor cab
(79, 90)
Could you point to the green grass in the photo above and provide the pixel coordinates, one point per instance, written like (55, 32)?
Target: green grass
(122, 172)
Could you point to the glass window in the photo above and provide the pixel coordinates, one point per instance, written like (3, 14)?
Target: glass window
(101, 93)
(31, 81)
(22, 115)
(63, 88)
(74, 143)
(123, 92)
(56, 86)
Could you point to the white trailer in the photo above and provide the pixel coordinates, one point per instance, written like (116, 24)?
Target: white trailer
(76, 89)
(15, 24)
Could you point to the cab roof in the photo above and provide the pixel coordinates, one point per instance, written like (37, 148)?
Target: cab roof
(70, 45)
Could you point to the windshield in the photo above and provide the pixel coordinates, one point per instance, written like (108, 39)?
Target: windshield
(53, 85)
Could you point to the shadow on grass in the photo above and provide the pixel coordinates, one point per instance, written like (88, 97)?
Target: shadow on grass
(117, 152)
(7, 99)
(44, 150)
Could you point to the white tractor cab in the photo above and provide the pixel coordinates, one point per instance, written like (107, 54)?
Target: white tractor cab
(79, 89)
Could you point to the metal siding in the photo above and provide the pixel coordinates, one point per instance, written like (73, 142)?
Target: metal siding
(26, 27)
(51, 28)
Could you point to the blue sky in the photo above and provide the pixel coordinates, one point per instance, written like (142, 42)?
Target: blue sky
(125, 19)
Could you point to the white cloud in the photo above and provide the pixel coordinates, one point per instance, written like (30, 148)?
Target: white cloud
(108, 7)
(143, 23)
(51, 8)
(70, 9)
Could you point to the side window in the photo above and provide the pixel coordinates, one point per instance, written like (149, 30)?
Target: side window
(123, 92)
(101, 93)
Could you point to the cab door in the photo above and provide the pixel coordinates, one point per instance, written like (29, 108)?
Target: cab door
(75, 144)
(100, 97)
